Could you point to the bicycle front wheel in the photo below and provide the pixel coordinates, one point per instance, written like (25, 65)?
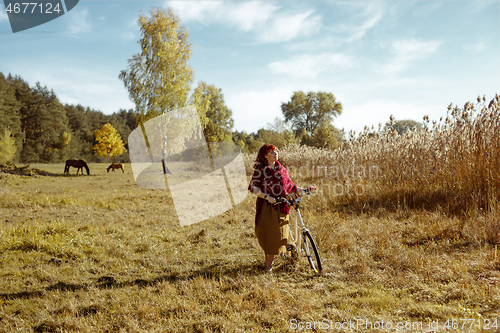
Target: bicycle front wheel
(311, 251)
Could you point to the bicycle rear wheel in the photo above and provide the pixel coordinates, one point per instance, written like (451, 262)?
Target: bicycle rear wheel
(311, 251)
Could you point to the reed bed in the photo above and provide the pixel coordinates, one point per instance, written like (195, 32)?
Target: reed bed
(451, 166)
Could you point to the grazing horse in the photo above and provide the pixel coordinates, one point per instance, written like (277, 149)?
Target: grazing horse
(116, 166)
(80, 164)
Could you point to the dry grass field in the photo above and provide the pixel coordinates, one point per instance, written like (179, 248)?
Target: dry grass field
(407, 228)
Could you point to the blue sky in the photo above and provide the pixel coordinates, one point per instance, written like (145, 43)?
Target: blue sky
(407, 58)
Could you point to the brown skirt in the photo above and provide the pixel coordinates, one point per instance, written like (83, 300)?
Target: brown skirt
(272, 229)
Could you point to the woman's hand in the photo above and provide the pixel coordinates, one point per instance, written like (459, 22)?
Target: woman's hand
(271, 200)
(308, 189)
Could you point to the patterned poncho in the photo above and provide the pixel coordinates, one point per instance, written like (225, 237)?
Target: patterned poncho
(273, 182)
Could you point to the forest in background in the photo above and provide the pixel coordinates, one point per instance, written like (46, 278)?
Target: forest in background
(45, 130)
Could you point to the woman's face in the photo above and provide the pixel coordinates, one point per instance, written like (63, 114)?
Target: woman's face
(272, 156)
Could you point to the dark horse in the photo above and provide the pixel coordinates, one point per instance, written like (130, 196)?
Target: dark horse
(80, 164)
(116, 166)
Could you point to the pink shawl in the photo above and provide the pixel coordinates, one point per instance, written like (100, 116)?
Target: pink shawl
(275, 183)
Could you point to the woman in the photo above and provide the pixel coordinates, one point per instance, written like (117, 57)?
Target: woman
(270, 180)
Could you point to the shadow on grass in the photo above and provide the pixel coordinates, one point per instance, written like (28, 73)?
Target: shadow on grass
(215, 271)
(38, 172)
(29, 172)
(25, 170)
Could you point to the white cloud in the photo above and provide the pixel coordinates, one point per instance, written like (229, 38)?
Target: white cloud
(3, 16)
(201, 11)
(132, 31)
(415, 49)
(286, 27)
(249, 15)
(92, 87)
(264, 19)
(405, 52)
(358, 32)
(244, 15)
(310, 65)
(475, 48)
(79, 22)
(371, 113)
(252, 110)
(474, 7)
(360, 19)
(409, 82)
(361, 23)
(425, 9)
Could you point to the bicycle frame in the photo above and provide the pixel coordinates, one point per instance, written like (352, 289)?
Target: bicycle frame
(305, 235)
(300, 231)
(295, 205)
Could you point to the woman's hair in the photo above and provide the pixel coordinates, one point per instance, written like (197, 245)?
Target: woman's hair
(261, 161)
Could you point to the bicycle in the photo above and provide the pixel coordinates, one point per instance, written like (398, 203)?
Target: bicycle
(305, 234)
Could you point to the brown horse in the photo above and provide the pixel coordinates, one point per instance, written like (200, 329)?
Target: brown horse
(80, 164)
(116, 166)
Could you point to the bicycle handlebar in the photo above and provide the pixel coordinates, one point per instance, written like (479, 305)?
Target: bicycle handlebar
(307, 191)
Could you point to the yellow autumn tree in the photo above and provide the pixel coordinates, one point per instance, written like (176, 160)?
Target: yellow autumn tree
(159, 78)
(7, 147)
(109, 142)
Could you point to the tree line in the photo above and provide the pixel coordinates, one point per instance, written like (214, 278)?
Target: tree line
(38, 128)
